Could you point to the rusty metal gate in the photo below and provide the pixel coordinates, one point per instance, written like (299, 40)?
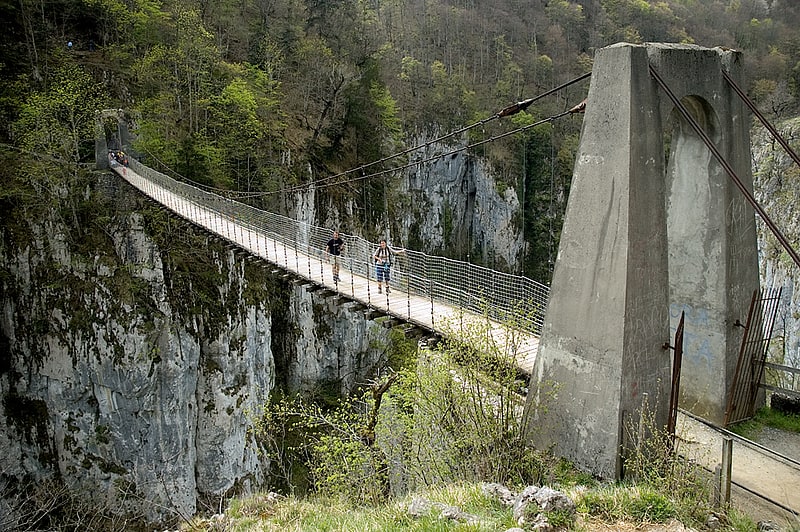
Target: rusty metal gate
(752, 355)
(676, 379)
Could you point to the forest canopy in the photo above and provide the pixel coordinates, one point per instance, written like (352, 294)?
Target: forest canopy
(259, 95)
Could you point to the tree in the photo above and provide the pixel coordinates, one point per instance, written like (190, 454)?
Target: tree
(178, 78)
(447, 99)
(73, 98)
(542, 198)
(57, 126)
(509, 75)
(319, 88)
(640, 19)
(243, 124)
(570, 17)
(440, 415)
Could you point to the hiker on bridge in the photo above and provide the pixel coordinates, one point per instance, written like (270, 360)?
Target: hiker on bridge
(383, 263)
(334, 249)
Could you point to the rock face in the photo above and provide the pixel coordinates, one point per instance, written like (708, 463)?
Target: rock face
(777, 187)
(136, 351)
(133, 369)
(454, 203)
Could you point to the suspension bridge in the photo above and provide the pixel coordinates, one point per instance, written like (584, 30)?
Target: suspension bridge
(440, 295)
(443, 296)
(604, 340)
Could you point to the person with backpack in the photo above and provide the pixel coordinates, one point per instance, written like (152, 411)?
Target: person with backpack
(383, 263)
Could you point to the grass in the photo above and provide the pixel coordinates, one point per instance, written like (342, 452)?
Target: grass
(265, 513)
(613, 506)
(445, 440)
(766, 417)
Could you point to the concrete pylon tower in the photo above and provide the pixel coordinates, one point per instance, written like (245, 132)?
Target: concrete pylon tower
(653, 226)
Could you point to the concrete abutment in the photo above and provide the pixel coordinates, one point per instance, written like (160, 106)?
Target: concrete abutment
(654, 226)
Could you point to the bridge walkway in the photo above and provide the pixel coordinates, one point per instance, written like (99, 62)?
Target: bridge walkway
(235, 223)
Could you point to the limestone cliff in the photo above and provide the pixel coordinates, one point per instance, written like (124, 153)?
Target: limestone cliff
(133, 356)
(777, 187)
(450, 206)
(455, 202)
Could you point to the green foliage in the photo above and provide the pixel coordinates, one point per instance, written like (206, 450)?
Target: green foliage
(331, 445)
(738, 520)
(439, 419)
(281, 438)
(12, 93)
(644, 21)
(346, 468)
(271, 512)
(565, 475)
(766, 417)
(253, 96)
(600, 503)
(609, 507)
(185, 56)
(543, 196)
(559, 519)
(326, 443)
(650, 506)
(627, 504)
(459, 427)
(448, 98)
(49, 504)
(461, 416)
(122, 20)
(401, 350)
(659, 483)
(52, 127)
(390, 125)
(653, 463)
(54, 122)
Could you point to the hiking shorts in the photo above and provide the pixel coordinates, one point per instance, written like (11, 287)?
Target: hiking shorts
(382, 272)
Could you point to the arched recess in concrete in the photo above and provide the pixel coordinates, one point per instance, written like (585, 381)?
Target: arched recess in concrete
(645, 235)
(711, 278)
(693, 176)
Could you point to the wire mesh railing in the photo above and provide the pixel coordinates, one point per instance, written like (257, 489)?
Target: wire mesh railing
(300, 247)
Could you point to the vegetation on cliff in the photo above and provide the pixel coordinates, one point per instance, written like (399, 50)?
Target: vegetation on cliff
(427, 446)
(259, 96)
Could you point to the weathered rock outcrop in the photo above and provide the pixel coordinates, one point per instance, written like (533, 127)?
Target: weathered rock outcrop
(451, 206)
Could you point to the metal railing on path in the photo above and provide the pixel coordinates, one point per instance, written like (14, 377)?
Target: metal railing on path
(429, 291)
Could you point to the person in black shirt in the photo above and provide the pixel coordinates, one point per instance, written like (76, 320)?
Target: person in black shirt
(334, 249)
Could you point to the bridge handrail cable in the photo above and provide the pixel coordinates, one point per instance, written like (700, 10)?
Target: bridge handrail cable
(500, 296)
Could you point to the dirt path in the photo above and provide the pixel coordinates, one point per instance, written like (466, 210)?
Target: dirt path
(770, 468)
(782, 442)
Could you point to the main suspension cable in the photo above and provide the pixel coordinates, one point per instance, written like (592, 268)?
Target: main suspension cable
(445, 154)
(507, 111)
